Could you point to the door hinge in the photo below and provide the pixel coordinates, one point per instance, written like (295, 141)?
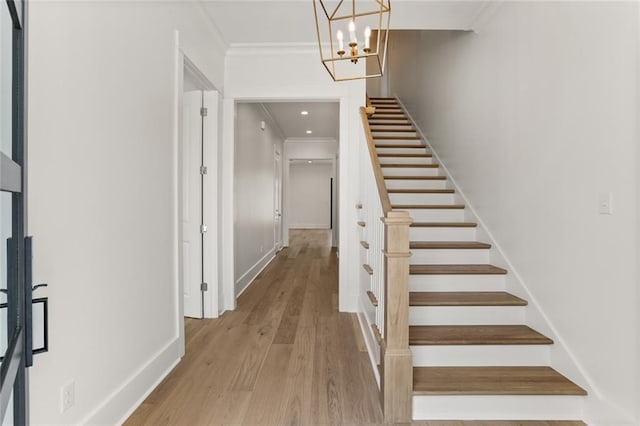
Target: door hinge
(204, 112)
(204, 286)
(203, 229)
(203, 170)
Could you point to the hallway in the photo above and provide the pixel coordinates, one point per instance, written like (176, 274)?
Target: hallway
(284, 356)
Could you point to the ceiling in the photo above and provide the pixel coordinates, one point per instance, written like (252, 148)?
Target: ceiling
(292, 21)
(322, 120)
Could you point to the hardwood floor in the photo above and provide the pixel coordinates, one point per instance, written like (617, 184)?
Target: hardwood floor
(285, 356)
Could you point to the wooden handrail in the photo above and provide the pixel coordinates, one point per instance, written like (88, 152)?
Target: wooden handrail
(377, 170)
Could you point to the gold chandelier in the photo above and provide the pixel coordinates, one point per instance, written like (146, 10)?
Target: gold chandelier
(359, 57)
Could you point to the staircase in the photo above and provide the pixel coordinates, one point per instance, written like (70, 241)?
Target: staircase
(473, 356)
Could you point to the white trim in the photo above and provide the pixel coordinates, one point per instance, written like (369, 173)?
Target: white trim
(373, 349)
(254, 271)
(310, 226)
(139, 385)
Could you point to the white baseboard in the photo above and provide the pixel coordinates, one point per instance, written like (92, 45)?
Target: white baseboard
(118, 406)
(373, 349)
(247, 278)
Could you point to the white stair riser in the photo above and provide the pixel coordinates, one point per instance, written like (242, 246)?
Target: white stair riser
(416, 142)
(377, 133)
(402, 126)
(449, 256)
(436, 215)
(416, 150)
(406, 160)
(415, 184)
(480, 355)
(497, 407)
(410, 171)
(456, 282)
(410, 198)
(386, 116)
(442, 234)
(467, 315)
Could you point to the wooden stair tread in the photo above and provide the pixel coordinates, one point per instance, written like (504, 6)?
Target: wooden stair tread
(445, 245)
(372, 298)
(362, 223)
(391, 145)
(392, 111)
(492, 381)
(364, 244)
(368, 269)
(388, 122)
(404, 138)
(410, 166)
(404, 155)
(428, 206)
(498, 423)
(456, 270)
(444, 225)
(476, 335)
(415, 177)
(464, 298)
(420, 191)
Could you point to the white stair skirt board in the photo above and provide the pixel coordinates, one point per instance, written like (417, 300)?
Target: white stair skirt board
(498, 407)
(410, 171)
(415, 184)
(449, 256)
(466, 315)
(456, 282)
(436, 215)
(421, 198)
(405, 160)
(479, 355)
(442, 234)
(419, 149)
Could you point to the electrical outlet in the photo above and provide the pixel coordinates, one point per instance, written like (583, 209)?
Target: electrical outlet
(68, 396)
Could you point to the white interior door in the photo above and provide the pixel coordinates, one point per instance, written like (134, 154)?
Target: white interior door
(192, 260)
(277, 209)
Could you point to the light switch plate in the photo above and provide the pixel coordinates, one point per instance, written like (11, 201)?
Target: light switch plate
(605, 203)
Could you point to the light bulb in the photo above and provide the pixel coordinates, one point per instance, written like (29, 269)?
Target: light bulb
(367, 35)
(352, 32)
(340, 37)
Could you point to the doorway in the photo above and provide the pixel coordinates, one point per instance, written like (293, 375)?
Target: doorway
(198, 175)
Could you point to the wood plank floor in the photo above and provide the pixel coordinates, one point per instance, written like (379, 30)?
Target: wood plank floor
(285, 356)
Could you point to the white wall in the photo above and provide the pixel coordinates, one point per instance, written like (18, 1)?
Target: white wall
(305, 149)
(285, 72)
(310, 195)
(535, 116)
(254, 191)
(103, 105)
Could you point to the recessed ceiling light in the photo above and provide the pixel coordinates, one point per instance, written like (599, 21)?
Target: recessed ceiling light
(304, 112)
(309, 161)
(309, 132)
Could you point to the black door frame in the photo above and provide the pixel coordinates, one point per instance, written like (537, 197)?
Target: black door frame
(13, 375)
